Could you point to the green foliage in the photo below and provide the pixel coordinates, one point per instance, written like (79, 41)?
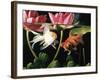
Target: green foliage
(43, 57)
(70, 62)
(53, 64)
(39, 62)
(60, 27)
(29, 65)
(80, 30)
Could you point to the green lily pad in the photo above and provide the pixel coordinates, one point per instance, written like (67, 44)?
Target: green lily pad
(80, 30)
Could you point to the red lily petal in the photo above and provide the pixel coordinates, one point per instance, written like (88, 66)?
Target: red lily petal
(32, 14)
(66, 14)
(41, 19)
(56, 18)
(71, 19)
(61, 19)
(66, 21)
(33, 27)
(31, 20)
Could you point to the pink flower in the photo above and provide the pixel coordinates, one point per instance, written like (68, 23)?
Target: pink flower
(62, 18)
(32, 17)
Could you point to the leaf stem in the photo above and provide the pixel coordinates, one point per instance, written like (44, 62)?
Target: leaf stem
(59, 45)
(27, 36)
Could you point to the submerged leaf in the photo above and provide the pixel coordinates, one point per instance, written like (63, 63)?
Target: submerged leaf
(53, 64)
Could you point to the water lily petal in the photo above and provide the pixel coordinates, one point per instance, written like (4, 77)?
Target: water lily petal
(32, 14)
(42, 18)
(52, 18)
(24, 16)
(33, 27)
(69, 19)
(30, 18)
(60, 18)
(56, 18)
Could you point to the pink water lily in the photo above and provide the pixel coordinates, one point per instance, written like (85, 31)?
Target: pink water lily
(62, 18)
(30, 18)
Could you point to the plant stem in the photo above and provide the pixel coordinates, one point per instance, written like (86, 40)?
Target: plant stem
(61, 35)
(83, 56)
(27, 36)
(59, 45)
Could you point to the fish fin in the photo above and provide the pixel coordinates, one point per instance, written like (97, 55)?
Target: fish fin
(35, 33)
(37, 39)
(44, 46)
(46, 30)
(33, 45)
(53, 46)
(42, 42)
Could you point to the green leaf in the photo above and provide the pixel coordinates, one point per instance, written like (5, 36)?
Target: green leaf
(29, 65)
(70, 62)
(69, 58)
(80, 30)
(39, 62)
(43, 57)
(53, 64)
